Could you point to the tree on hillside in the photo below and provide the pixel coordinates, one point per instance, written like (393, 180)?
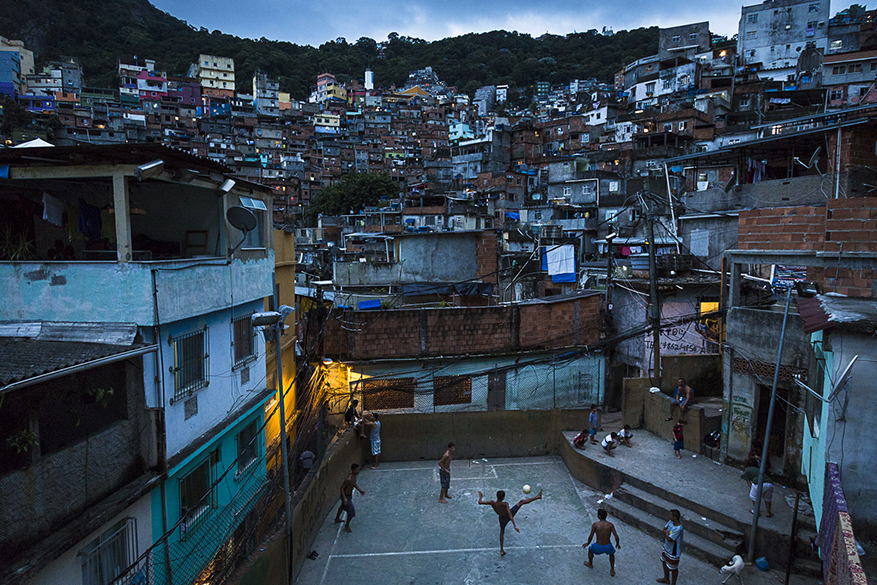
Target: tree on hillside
(351, 194)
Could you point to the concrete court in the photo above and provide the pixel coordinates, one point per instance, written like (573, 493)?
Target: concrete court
(402, 535)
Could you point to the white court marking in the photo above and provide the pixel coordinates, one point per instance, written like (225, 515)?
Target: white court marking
(451, 550)
(473, 464)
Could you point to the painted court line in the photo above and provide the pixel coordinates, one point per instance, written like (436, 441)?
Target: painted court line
(457, 466)
(452, 551)
(334, 542)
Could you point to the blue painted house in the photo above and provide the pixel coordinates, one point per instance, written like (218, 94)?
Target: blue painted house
(126, 252)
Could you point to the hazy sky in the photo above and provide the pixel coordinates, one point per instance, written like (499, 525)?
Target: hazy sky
(311, 22)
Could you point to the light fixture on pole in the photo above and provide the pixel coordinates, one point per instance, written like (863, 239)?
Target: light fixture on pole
(273, 321)
(227, 185)
(149, 170)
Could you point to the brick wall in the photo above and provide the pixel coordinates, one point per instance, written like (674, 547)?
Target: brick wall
(781, 228)
(842, 225)
(407, 333)
(486, 257)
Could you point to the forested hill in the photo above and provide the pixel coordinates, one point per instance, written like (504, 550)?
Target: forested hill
(99, 32)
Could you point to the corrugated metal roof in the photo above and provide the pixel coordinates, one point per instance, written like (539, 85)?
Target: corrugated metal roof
(835, 311)
(815, 319)
(25, 358)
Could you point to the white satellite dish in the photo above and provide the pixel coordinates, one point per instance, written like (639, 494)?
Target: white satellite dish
(843, 378)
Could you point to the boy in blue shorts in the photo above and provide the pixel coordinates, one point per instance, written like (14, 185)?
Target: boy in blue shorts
(593, 423)
(603, 530)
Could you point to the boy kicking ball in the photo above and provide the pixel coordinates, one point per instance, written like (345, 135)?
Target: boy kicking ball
(603, 545)
(505, 513)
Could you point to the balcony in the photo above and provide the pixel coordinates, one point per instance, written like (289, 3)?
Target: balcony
(66, 251)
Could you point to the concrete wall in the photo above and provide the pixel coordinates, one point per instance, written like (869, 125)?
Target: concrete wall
(60, 486)
(65, 567)
(226, 390)
(753, 336)
(702, 372)
(774, 193)
(318, 497)
(122, 292)
(645, 410)
(367, 273)
(850, 418)
(425, 257)
(708, 238)
(413, 437)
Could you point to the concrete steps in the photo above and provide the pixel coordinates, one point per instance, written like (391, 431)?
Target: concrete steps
(708, 528)
(693, 544)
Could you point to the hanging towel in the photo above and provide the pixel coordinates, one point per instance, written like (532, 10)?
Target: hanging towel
(561, 260)
(53, 210)
(107, 226)
(89, 220)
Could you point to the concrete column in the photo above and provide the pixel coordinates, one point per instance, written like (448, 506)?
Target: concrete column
(122, 208)
(736, 281)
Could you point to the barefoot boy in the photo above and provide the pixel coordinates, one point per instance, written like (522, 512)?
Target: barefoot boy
(445, 473)
(506, 514)
(347, 497)
(603, 530)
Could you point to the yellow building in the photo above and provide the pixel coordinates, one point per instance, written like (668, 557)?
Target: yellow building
(284, 270)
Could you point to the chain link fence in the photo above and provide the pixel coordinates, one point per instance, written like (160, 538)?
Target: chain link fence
(552, 382)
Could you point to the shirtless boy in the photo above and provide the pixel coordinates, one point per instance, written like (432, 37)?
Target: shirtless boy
(603, 530)
(445, 473)
(347, 497)
(506, 514)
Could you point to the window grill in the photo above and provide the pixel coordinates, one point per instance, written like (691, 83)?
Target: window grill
(191, 363)
(107, 556)
(197, 496)
(449, 390)
(248, 446)
(243, 340)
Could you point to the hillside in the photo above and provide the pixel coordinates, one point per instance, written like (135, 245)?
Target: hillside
(99, 33)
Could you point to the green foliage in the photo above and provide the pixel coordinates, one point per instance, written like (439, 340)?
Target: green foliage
(22, 441)
(99, 33)
(352, 193)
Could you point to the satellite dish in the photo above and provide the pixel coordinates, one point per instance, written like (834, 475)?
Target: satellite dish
(241, 218)
(843, 378)
(814, 157)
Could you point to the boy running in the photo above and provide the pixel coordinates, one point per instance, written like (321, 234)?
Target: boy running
(506, 514)
(347, 497)
(603, 530)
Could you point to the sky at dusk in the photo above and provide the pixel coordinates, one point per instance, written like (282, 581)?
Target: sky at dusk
(313, 23)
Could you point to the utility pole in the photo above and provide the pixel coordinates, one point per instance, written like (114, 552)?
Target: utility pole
(272, 321)
(764, 450)
(654, 307)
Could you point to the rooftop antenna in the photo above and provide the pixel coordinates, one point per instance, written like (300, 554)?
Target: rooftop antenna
(242, 219)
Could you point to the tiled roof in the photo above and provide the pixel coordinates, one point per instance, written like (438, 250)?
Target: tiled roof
(24, 358)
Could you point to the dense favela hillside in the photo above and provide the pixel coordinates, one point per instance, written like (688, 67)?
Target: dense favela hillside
(98, 33)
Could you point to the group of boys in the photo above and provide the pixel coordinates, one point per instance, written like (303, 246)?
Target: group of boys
(601, 531)
(610, 441)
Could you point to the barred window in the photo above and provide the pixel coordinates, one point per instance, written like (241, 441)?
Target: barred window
(388, 394)
(248, 446)
(243, 340)
(104, 558)
(449, 390)
(191, 363)
(197, 496)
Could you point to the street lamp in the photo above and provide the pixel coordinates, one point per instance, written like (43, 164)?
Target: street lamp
(267, 321)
